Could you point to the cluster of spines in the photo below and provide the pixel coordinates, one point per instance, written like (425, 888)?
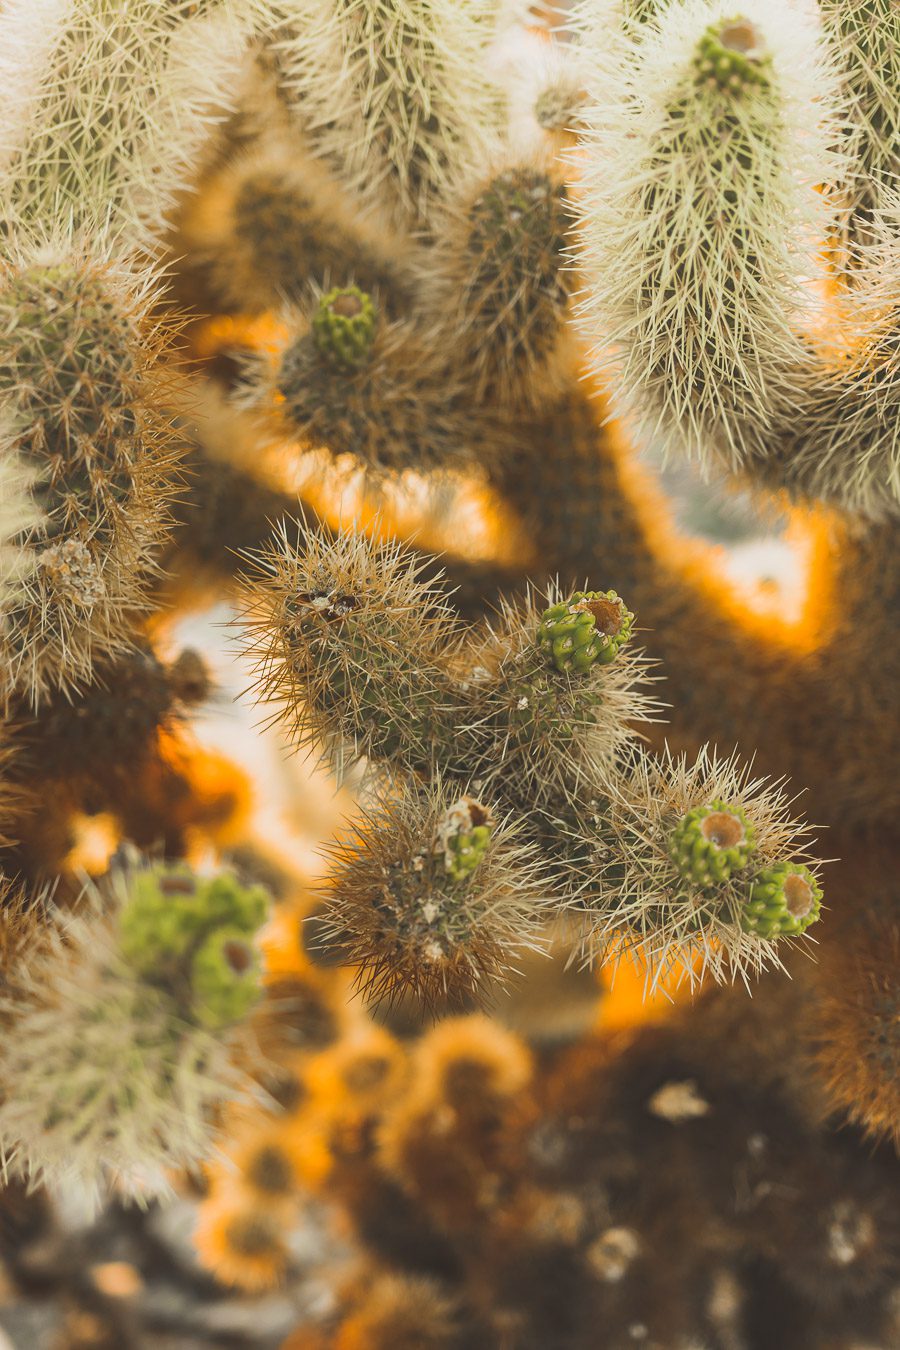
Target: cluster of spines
(701, 177)
(706, 869)
(502, 285)
(372, 389)
(357, 648)
(866, 34)
(426, 898)
(398, 98)
(686, 861)
(348, 642)
(120, 1027)
(126, 102)
(85, 406)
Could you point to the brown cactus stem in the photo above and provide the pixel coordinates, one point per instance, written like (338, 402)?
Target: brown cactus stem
(734, 679)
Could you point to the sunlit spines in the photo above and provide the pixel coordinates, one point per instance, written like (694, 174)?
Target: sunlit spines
(18, 514)
(349, 643)
(838, 439)
(272, 222)
(685, 907)
(400, 908)
(28, 30)
(707, 144)
(397, 97)
(500, 288)
(87, 388)
(547, 96)
(128, 98)
(866, 38)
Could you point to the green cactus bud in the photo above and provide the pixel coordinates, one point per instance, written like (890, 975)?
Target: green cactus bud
(169, 911)
(711, 842)
(731, 54)
(344, 326)
(783, 901)
(464, 836)
(590, 626)
(225, 978)
(160, 918)
(224, 901)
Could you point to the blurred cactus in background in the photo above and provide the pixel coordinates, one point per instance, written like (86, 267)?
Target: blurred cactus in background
(441, 935)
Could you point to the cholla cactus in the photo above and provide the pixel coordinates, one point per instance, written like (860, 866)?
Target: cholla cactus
(417, 242)
(114, 1063)
(347, 641)
(85, 396)
(867, 34)
(413, 101)
(502, 285)
(695, 853)
(700, 189)
(126, 101)
(395, 407)
(274, 219)
(538, 712)
(404, 908)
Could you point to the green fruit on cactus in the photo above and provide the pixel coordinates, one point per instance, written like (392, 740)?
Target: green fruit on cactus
(730, 54)
(169, 910)
(225, 978)
(344, 326)
(464, 836)
(160, 918)
(712, 842)
(589, 627)
(225, 901)
(783, 901)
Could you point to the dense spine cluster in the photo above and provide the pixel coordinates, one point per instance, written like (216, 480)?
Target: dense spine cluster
(117, 1029)
(415, 104)
(536, 715)
(702, 179)
(86, 387)
(127, 97)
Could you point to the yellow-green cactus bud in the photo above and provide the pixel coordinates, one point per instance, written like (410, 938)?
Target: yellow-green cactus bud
(712, 842)
(590, 626)
(225, 978)
(160, 918)
(344, 326)
(169, 911)
(224, 901)
(783, 901)
(464, 836)
(731, 54)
